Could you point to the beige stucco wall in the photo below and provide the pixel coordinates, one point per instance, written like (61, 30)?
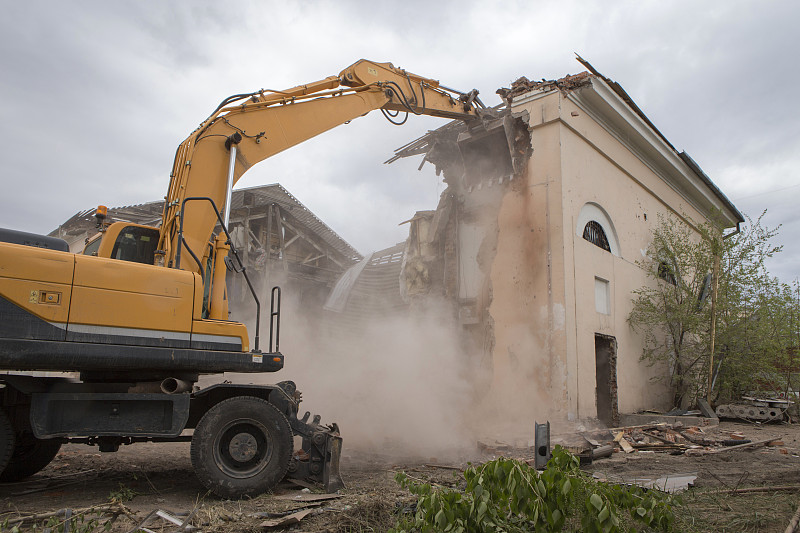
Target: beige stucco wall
(543, 275)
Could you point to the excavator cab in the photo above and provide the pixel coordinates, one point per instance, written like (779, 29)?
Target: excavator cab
(125, 241)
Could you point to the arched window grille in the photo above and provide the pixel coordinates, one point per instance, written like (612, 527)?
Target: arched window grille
(593, 232)
(667, 273)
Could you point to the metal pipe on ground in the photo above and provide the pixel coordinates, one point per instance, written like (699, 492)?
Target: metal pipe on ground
(602, 451)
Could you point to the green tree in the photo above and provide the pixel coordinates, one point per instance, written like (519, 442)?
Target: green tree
(758, 341)
(756, 333)
(754, 315)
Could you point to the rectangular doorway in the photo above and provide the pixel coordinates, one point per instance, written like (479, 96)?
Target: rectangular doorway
(605, 352)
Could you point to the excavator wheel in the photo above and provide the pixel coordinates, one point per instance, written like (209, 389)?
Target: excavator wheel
(241, 446)
(7, 440)
(30, 455)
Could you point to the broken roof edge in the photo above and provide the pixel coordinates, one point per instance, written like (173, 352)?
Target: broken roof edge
(357, 256)
(618, 102)
(617, 88)
(699, 171)
(611, 94)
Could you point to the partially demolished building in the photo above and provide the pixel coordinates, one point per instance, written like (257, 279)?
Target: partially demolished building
(537, 254)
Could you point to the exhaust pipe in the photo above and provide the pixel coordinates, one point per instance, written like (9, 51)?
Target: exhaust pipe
(175, 386)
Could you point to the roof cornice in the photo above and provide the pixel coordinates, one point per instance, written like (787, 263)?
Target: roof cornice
(606, 107)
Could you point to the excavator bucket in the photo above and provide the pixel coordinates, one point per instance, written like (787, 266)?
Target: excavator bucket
(318, 459)
(498, 149)
(497, 146)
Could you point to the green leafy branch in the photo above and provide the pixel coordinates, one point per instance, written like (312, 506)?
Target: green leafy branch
(506, 495)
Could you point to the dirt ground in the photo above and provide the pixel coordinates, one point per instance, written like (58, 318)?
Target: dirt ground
(147, 477)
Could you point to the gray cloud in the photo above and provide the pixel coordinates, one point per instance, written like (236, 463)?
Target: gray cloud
(95, 96)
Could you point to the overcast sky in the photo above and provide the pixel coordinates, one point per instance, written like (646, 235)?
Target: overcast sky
(96, 96)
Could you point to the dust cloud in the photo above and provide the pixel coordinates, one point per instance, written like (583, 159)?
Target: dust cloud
(416, 380)
(396, 385)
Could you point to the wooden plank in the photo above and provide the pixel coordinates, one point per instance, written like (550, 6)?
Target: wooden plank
(287, 520)
(301, 483)
(310, 241)
(445, 467)
(282, 243)
(653, 425)
(307, 497)
(748, 490)
(623, 442)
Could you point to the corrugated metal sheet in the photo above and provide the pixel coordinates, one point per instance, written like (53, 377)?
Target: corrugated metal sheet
(276, 194)
(375, 294)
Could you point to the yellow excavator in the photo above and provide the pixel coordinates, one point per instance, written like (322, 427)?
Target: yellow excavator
(142, 311)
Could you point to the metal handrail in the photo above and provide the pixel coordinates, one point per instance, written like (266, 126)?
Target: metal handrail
(275, 318)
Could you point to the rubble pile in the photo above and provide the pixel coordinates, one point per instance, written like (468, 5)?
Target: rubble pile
(674, 439)
(524, 85)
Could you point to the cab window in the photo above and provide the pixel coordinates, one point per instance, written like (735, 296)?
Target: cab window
(136, 244)
(92, 247)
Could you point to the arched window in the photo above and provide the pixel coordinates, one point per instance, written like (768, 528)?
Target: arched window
(595, 226)
(667, 273)
(593, 232)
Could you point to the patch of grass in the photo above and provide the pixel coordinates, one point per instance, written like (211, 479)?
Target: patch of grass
(712, 510)
(370, 516)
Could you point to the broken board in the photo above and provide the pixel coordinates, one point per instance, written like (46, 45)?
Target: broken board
(307, 497)
(623, 442)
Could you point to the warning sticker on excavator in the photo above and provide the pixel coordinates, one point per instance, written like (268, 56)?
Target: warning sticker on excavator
(257, 358)
(372, 71)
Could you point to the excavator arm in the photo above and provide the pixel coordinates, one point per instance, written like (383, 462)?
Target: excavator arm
(259, 125)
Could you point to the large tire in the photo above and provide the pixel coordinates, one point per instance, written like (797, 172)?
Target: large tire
(30, 456)
(7, 440)
(241, 446)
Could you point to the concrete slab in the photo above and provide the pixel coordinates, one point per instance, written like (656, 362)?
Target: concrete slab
(706, 409)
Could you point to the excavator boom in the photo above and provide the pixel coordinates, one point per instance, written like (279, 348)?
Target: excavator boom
(258, 125)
